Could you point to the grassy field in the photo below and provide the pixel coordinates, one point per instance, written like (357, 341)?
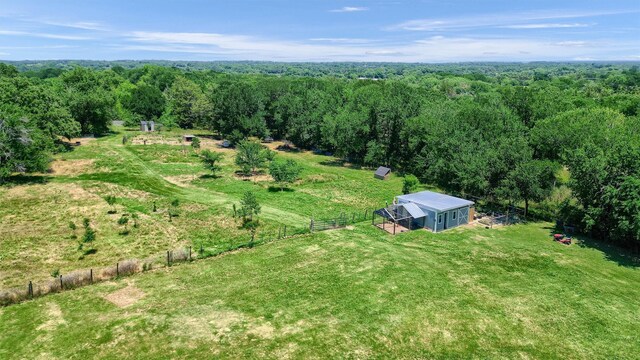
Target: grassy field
(35, 215)
(352, 293)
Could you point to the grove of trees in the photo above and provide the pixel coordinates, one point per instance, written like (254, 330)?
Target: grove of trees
(499, 132)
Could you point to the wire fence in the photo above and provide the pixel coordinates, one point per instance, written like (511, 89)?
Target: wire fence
(123, 268)
(340, 221)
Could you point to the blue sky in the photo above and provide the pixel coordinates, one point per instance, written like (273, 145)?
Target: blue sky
(320, 30)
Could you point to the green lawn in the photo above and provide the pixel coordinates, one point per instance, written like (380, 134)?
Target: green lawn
(35, 235)
(353, 293)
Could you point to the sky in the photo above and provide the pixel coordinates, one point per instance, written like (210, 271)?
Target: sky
(321, 30)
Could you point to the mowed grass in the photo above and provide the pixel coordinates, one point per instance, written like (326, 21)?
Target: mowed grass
(36, 240)
(353, 293)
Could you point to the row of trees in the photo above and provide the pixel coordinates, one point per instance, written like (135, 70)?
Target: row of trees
(503, 136)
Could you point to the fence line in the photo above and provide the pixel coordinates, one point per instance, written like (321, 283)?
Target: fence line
(84, 277)
(340, 221)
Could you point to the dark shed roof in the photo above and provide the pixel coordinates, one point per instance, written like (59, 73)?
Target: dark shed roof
(383, 171)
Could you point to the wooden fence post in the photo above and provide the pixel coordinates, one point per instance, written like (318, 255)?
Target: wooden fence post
(373, 218)
(30, 289)
(61, 282)
(285, 231)
(394, 228)
(189, 253)
(168, 259)
(91, 276)
(117, 269)
(311, 226)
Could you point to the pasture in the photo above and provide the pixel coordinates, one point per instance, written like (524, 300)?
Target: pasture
(358, 292)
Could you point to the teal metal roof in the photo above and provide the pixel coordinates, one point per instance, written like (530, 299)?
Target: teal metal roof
(436, 201)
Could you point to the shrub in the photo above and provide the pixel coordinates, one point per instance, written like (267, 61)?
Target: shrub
(89, 235)
(409, 184)
(128, 267)
(195, 143)
(111, 200)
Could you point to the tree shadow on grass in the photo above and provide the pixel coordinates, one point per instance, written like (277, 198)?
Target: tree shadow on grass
(210, 176)
(22, 179)
(277, 189)
(612, 252)
(341, 163)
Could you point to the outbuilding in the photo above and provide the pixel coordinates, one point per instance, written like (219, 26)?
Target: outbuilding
(382, 173)
(187, 138)
(441, 211)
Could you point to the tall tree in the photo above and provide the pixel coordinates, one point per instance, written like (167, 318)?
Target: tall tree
(146, 101)
(251, 156)
(188, 103)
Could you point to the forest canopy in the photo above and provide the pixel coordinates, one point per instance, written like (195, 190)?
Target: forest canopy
(505, 132)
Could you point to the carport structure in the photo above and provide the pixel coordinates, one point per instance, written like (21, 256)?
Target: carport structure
(398, 218)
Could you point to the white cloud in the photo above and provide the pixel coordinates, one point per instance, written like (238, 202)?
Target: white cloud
(349, 9)
(343, 40)
(501, 20)
(43, 35)
(571, 43)
(83, 25)
(432, 49)
(545, 26)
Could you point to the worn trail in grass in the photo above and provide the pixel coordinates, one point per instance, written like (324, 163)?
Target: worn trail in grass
(35, 234)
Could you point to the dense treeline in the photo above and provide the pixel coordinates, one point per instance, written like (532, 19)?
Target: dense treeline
(507, 136)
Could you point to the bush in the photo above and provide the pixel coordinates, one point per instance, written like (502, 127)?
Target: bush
(195, 143)
(89, 235)
(409, 184)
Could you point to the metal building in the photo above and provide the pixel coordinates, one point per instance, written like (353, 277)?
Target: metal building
(441, 211)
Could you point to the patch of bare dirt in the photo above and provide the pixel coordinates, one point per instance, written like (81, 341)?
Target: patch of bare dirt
(214, 145)
(255, 178)
(264, 331)
(181, 180)
(82, 140)
(125, 297)
(71, 167)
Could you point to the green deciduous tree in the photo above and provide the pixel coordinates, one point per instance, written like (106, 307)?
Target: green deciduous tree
(251, 156)
(23, 148)
(249, 206)
(188, 103)
(210, 160)
(285, 172)
(146, 101)
(90, 100)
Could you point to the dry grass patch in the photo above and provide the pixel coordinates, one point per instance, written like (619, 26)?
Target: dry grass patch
(72, 167)
(181, 180)
(125, 297)
(54, 318)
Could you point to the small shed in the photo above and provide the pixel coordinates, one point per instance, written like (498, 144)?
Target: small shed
(267, 139)
(441, 211)
(382, 173)
(187, 138)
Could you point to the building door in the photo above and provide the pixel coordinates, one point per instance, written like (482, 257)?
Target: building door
(445, 221)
